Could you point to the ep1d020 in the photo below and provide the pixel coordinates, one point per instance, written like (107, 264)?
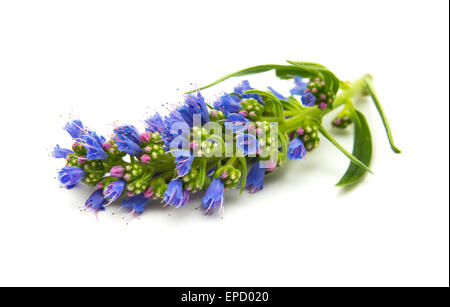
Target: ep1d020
(241, 296)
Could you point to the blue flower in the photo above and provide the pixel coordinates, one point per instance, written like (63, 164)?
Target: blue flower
(245, 86)
(194, 104)
(183, 159)
(75, 128)
(94, 146)
(96, 201)
(276, 94)
(255, 178)
(296, 149)
(213, 197)
(114, 190)
(247, 143)
(300, 86)
(175, 196)
(69, 176)
(59, 152)
(309, 100)
(154, 123)
(228, 104)
(127, 140)
(138, 202)
(236, 122)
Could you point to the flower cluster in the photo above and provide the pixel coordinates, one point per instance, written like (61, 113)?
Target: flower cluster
(180, 154)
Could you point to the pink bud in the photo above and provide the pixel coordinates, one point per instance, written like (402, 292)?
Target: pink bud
(259, 131)
(322, 96)
(145, 137)
(322, 106)
(251, 128)
(224, 175)
(81, 160)
(99, 184)
(130, 194)
(243, 112)
(300, 131)
(213, 113)
(106, 146)
(193, 145)
(127, 177)
(252, 114)
(117, 171)
(148, 193)
(145, 158)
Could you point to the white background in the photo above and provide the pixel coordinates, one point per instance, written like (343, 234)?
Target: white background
(104, 61)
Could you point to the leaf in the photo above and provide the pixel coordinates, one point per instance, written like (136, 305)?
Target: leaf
(271, 98)
(282, 71)
(244, 172)
(330, 79)
(376, 101)
(362, 149)
(354, 160)
(202, 174)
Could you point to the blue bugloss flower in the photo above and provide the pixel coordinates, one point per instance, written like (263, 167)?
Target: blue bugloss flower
(59, 152)
(194, 104)
(255, 178)
(137, 202)
(236, 122)
(154, 123)
(127, 140)
(245, 86)
(96, 201)
(114, 190)
(183, 159)
(247, 144)
(69, 176)
(276, 94)
(94, 146)
(228, 104)
(213, 197)
(308, 99)
(300, 86)
(74, 128)
(296, 149)
(170, 120)
(175, 196)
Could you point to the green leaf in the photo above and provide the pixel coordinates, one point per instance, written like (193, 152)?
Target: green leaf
(202, 174)
(282, 71)
(330, 79)
(352, 158)
(376, 101)
(270, 99)
(362, 149)
(244, 172)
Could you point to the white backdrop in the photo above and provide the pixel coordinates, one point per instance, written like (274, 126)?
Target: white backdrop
(104, 61)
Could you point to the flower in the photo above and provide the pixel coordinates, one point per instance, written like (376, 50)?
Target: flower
(59, 152)
(69, 176)
(213, 197)
(117, 171)
(276, 94)
(247, 143)
(114, 190)
(228, 104)
(175, 196)
(138, 202)
(154, 123)
(300, 86)
(94, 146)
(296, 149)
(183, 159)
(308, 99)
(255, 178)
(74, 128)
(194, 104)
(128, 140)
(96, 201)
(236, 122)
(245, 86)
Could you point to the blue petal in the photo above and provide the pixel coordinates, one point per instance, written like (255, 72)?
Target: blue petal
(59, 152)
(96, 201)
(74, 128)
(300, 86)
(138, 202)
(228, 104)
(309, 100)
(255, 178)
(183, 159)
(296, 149)
(69, 176)
(213, 197)
(154, 123)
(247, 143)
(276, 94)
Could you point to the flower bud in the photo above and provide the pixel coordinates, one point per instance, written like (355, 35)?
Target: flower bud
(117, 171)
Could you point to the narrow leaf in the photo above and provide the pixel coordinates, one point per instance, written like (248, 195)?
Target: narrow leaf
(362, 149)
(244, 172)
(202, 174)
(376, 101)
(271, 98)
(330, 138)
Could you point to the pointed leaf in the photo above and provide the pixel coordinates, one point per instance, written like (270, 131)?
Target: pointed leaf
(376, 101)
(362, 149)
